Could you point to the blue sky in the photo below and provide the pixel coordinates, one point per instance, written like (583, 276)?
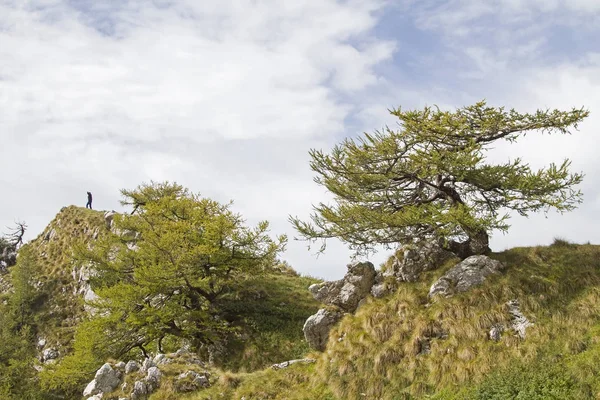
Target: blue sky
(228, 97)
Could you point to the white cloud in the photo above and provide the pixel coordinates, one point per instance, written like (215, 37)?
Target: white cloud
(226, 97)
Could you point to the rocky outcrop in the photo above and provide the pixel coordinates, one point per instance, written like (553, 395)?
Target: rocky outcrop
(347, 292)
(316, 328)
(471, 272)
(417, 258)
(147, 376)
(105, 381)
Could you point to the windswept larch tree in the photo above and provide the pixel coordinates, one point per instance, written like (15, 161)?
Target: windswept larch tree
(430, 179)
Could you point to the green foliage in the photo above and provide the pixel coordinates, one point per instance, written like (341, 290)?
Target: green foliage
(431, 178)
(17, 332)
(537, 381)
(165, 269)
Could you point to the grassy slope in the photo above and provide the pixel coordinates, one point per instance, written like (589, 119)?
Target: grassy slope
(558, 288)
(61, 311)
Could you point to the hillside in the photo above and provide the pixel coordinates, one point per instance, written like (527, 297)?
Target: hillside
(268, 311)
(377, 353)
(404, 344)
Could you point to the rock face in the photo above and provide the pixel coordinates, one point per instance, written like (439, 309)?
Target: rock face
(105, 381)
(417, 258)
(347, 292)
(471, 272)
(316, 328)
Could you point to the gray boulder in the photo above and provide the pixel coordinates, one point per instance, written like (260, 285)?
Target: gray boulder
(131, 366)
(105, 381)
(140, 391)
(191, 381)
(316, 328)
(347, 292)
(153, 378)
(470, 272)
(147, 364)
(417, 258)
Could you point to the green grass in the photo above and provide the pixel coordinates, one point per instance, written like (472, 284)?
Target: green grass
(379, 355)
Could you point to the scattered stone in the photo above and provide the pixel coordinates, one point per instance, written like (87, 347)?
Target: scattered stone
(49, 355)
(316, 328)
(286, 364)
(41, 343)
(120, 365)
(470, 272)
(105, 381)
(347, 292)
(140, 391)
(191, 381)
(131, 366)
(161, 359)
(146, 365)
(496, 332)
(153, 378)
(519, 322)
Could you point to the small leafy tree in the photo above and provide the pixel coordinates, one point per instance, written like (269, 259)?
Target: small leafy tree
(430, 179)
(162, 272)
(17, 331)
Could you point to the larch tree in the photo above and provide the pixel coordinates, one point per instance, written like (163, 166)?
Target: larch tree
(430, 179)
(162, 272)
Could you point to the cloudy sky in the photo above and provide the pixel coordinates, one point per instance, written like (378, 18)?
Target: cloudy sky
(227, 97)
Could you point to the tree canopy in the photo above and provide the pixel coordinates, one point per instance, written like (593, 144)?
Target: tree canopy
(430, 178)
(162, 271)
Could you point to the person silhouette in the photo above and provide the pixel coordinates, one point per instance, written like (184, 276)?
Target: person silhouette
(89, 202)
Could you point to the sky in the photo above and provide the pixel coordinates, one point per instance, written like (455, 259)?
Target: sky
(227, 97)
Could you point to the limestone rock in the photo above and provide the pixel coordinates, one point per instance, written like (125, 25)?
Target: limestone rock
(108, 218)
(49, 355)
(316, 328)
(153, 378)
(495, 333)
(347, 292)
(470, 272)
(105, 381)
(147, 364)
(419, 257)
(190, 381)
(519, 322)
(140, 391)
(131, 366)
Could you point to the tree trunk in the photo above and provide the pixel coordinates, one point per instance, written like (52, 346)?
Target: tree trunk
(476, 244)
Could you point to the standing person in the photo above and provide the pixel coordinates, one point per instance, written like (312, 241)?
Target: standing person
(89, 203)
